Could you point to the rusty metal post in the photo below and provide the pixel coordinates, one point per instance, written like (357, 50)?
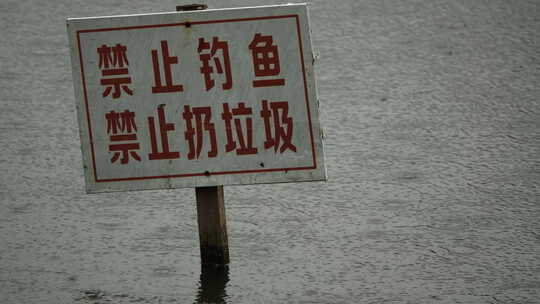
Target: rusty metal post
(210, 208)
(191, 7)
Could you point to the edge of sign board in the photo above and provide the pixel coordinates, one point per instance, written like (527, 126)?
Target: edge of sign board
(189, 12)
(78, 94)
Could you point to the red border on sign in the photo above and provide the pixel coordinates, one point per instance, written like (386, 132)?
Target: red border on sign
(314, 166)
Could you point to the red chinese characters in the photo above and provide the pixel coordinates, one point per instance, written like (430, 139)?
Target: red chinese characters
(265, 61)
(237, 128)
(221, 66)
(113, 63)
(244, 136)
(283, 126)
(167, 62)
(122, 130)
(194, 135)
(164, 127)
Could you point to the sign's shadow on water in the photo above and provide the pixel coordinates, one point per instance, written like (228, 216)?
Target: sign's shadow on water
(212, 285)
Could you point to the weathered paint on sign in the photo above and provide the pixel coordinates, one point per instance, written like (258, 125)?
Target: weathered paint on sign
(186, 99)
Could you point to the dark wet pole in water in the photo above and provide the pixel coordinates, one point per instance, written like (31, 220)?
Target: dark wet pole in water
(212, 285)
(212, 226)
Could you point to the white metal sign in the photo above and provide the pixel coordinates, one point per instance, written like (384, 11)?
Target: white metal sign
(204, 98)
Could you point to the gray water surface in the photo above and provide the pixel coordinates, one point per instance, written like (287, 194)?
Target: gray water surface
(432, 119)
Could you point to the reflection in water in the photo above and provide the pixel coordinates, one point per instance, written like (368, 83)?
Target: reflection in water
(212, 285)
